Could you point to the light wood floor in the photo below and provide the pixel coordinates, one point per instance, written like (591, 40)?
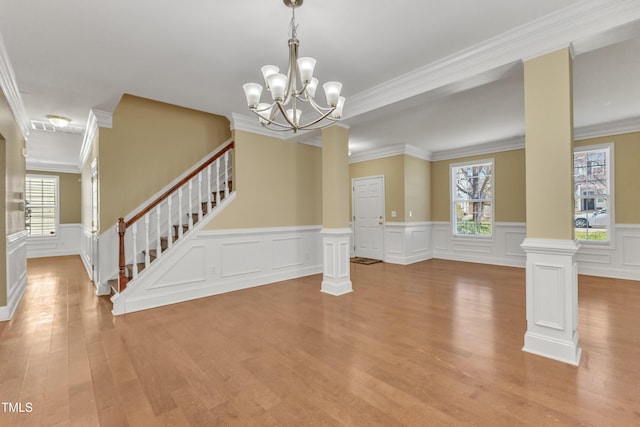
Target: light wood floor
(434, 343)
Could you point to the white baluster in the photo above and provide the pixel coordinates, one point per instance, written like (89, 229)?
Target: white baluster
(134, 230)
(190, 214)
(147, 258)
(180, 211)
(217, 181)
(226, 173)
(158, 247)
(200, 196)
(209, 188)
(169, 224)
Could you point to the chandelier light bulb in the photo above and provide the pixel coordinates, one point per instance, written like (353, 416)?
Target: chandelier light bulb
(295, 119)
(337, 113)
(311, 87)
(252, 91)
(305, 67)
(264, 112)
(277, 85)
(332, 92)
(268, 70)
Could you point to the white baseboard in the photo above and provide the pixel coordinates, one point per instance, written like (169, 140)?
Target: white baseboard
(67, 242)
(215, 262)
(16, 273)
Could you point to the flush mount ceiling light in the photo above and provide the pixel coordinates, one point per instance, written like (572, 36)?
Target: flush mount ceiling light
(286, 110)
(58, 121)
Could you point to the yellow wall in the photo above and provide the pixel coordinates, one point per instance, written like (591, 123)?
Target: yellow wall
(149, 145)
(509, 186)
(548, 110)
(627, 174)
(69, 193)
(335, 177)
(12, 167)
(278, 184)
(393, 170)
(417, 189)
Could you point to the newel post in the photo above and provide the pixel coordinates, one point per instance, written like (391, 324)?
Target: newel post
(122, 281)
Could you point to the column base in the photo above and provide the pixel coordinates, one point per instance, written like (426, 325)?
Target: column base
(336, 279)
(552, 299)
(560, 350)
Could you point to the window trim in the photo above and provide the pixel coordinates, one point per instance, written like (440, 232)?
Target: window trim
(611, 213)
(56, 178)
(452, 201)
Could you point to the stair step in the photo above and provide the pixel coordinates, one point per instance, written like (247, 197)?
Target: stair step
(164, 241)
(113, 284)
(185, 228)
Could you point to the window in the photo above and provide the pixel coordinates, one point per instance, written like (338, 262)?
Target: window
(41, 205)
(592, 193)
(472, 197)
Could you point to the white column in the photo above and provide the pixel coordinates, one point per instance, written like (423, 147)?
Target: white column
(336, 278)
(552, 299)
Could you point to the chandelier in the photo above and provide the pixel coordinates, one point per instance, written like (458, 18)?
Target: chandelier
(286, 110)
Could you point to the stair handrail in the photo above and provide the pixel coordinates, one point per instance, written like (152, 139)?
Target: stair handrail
(123, 225)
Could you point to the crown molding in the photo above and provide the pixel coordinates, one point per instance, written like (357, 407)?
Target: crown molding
(9, 87)
(250, 124)
(390, 151)
(515, 143)
(617, 127)
(555, 31)
(45, 166)
(104, 119)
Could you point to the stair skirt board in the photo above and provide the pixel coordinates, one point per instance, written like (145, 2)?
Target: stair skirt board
(212, 262)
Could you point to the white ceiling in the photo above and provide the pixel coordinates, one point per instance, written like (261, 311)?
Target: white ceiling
(70, 56)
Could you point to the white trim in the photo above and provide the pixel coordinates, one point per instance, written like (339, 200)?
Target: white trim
(616, 127)
(408, 242)
(47, 166)
(97, 119)
(552, 299)
(390, 151)
(104, 119)
(219, 261)
(510, 144)
(16, 273)
(336, 271)
(67, 241)
(251, 124)
(546, 34)
(9, 87)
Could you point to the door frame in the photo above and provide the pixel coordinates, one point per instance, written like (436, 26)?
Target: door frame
(353, 211)
(95, 216)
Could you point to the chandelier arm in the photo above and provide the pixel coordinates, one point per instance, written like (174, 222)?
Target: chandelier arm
(292, 72)
(319, 119)
(318, 108)
(284, 116)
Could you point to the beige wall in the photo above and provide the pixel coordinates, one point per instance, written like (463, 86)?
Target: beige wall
(278, 184)
(417, 189)
(509, 186)
(12, 167)
(69, 193)
(149, 145)
(335, 177)
(627, 174)
(548, 109)
(393, 170)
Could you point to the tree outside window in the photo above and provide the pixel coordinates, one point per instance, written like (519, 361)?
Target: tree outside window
(592, 193)
(472, 196)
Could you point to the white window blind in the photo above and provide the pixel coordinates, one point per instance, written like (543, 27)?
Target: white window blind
(42, 205)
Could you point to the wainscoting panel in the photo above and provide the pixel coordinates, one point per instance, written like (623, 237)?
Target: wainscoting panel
(67, 242)
(16, 273)
(221, 261)
(407, 242)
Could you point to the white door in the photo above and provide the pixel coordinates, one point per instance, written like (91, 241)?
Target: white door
(94, 221)
(368, 216)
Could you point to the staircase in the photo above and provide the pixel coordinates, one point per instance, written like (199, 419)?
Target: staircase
(172, 217)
